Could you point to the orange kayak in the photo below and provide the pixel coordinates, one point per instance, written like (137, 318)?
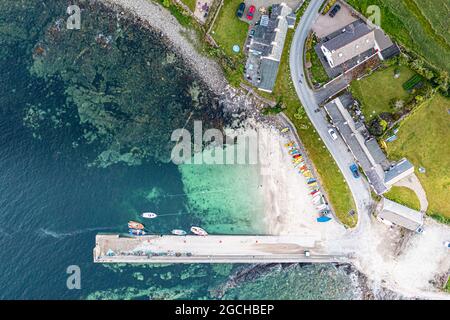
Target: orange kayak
(135, 225)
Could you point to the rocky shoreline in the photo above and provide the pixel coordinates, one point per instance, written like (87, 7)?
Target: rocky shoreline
(157, 18)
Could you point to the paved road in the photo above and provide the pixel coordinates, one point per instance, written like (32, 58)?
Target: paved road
(310, 100)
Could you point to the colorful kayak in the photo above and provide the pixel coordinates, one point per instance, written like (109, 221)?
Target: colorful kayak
(323, 219)
(149, 215)
(199, 231)
(289, 144)
(136, 232)
(135, 225)
(178, 232)
(284, 130)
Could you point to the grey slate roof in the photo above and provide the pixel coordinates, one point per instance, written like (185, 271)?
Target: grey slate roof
(269, 69)
(354, 41)
(400, 215)
(352, 32)
(376, 152)
(341, 123)
(266, 47)
(400, 167)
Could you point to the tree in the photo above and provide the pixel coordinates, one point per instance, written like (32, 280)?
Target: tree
(443, 80)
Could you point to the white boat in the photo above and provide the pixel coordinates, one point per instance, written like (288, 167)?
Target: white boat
(199, 231)
(149, 215)
(179, 232)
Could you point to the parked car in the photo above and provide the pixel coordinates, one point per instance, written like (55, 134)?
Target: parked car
(240, 10)
(252, 33)
(251, 12)
(335, 10)
(354, 170)
(332, 134)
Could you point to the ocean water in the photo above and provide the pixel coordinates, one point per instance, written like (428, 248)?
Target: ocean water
(85, 123)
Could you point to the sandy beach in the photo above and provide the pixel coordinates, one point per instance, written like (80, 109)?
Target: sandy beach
(290, 209)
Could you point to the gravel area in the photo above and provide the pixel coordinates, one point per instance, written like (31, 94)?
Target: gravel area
(161, 20)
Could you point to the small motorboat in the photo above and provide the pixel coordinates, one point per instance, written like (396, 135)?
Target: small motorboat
(179, 232)
(149, 215)
(136, 232)
(199, 231)
(135, 225)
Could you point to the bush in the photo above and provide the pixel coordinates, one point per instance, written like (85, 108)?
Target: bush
(377, 127)
(273, 110)
(329, 5)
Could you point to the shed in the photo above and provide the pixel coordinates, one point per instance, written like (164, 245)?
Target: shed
(400, 215)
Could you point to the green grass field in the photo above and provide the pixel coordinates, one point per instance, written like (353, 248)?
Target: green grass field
(330, 175)
(404, 196)
(423, 138)
(376, 91)
(420, 25)
(228, 30)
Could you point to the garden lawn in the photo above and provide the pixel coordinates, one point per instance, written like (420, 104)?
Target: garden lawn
(424, 139)
(228, 30)
(404, 196)
(377, 90)
(319, 75)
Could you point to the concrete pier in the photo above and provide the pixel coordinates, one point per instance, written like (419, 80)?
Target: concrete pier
(211, 249)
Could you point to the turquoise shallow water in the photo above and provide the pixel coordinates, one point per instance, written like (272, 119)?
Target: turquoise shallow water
(85, 123)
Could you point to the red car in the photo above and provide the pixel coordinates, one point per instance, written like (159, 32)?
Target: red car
(250, 12)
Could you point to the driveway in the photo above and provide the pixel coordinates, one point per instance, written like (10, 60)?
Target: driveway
(325, 25)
